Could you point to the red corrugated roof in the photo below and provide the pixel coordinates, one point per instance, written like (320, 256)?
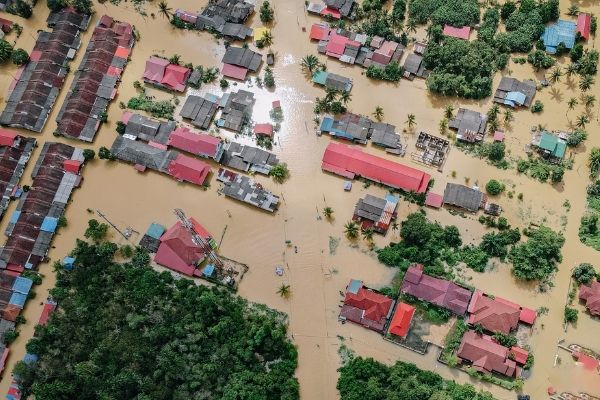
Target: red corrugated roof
(263, 129)
(7, 137)
(155, 69)
(189, 169)
(459, 33)
(319, 32)
(434, 200)
(401, 319)
(175, 77)
(46, 311)
(367, 308)
(72, 166)
(194, 142)
(235, 72)
(520, 355)
(527, 315)
(328, 11)
(122, 52)
(485, 354)
(588, 362)
(584, 21)
(493, 314)
(591, 295)
(351, 160)
(177, 251)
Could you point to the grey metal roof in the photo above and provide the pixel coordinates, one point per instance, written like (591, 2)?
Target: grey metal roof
(509, 84)
(245, 189)
(467, 122)
(370, 207)
(242, 57)
(338, 82)
(413, 63)
(245, 158)
(137, 152)
(463, 197)
(200, 110)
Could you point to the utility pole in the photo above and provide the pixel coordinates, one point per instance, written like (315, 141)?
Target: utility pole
(111, 224)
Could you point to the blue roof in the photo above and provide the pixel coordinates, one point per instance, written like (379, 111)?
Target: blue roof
(155, 230)
(29, 358)
(516, 97)
(15, 216)
(18, 299)
(354, 286)
(562, 31)
(391, 198)
(22, 285)
(208, 270)
(68, 260)
(326, 124)
(49, 224)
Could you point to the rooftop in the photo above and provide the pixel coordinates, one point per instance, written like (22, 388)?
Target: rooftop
(590, 294)
(464, 197)
(400, 323)
(486, 355)
(494, 314)
(459, 33)
(366, 307)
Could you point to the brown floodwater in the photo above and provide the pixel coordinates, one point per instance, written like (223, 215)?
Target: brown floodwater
(130, 199)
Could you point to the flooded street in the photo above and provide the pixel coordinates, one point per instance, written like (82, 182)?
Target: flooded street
(316, 277)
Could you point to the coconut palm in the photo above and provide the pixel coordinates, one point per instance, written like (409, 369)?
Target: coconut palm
(449, 111)
(351, 230)
(210, 75)
(572, 103)
(164, 9)
(395, 226)
(309, 63)
(267, 39)
(175, 59)
(589, 101)
(411, 120)
(594, 162)
(492, 126)
(508, 116)
(586, 83)
(443, 126)
(378, 113)
(367, 234)
(284, 291)
(571, 69)
(493, 112)
(555, 75)
(345, 97)
(582, 120)
(573, 10)
(330, 94)
(328, 212)
(411, 27)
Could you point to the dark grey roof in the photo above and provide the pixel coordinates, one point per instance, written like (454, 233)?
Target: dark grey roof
(343, 6)
(385, 135)
(200, 110)
(508, 84)
(248, 158)
(468, 123)
(148, 129)
(463, 197)
(338, 82)
(237, 110)
(236, 11)
(242, 57)
(413, 63)
(236, 31)
(136, 152)
(370, 207)
(245, 189)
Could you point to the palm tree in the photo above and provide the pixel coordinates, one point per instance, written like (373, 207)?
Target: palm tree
(572, 103)
(594, 162)
(582, 120)
(573, 10)
(330, 94)
(443, 126)
(267, 38)
(395, 226)
(309, 63)
(589, 101)
(328, 212)
(571, 69)
(492, 126)
(586, 83)
(164, 9)
(493, 112)
(351, 230)
(508, 116)
(411, 120)
(555, 74)
(175, 59)
(284, 291)
(378, 113)
(412, 26)
(345, 97)
(449, 111)
(210, 75)
(367, 234)
(478, 328)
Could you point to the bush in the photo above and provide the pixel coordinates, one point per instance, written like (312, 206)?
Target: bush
(493, 187)
(537, 107)
(121, 127)
(536, 259)
(506, 340)
(571, 315)
(279, 172)
(576, 137)
(89, 154)
(496, 151)
(584, 273)
(56, 5)
(266, 12)
(19, 57)
(105, 154)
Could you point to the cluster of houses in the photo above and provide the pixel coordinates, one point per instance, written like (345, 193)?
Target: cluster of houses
(239, 61)
(224, 17)
(334, 9)
(34, 222)
(161, 73)
(95, 81)
(566, 33)
(394, 318)
(36, 85)
(157, 145)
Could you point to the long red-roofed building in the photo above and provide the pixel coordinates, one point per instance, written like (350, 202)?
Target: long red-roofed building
(351, 162)
(591, 295)
(486, 355)
(196, 143)
(401, 320)
(188, 169)
(437, 291)
(366, 307)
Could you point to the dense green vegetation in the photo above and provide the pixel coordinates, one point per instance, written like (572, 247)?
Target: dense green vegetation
(367, 379)
(452, 341)
(124, 331)
(589, 234)
(584, 273)
(453, 12)
(541, 169)
(158, 109)
(494, 187)
(536, 258)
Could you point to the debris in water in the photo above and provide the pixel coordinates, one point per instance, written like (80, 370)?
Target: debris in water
(333, 244)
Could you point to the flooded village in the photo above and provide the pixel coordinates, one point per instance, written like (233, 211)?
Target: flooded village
(290, 180)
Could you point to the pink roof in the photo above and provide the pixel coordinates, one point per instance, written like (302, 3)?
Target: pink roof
(591, 295)
(527, 315)
(178, 252)
(105, 21)
(401, 320)
(263, 129)
(350, 161)
(584, 21)
(3, 358)
(520, 355)
(72, 166)
(194, 142)
(125, 117)
(328, 11)
(122, 52)
(186, 16)
(276, 104)
(384, 54)
(235, 72)
(588, 362)
(7, 137)
(157, 145)
(493, 314)
(337, 45)
(485, 354)
(434, 200)
(459, 33)
(319, 32)
(35, 55)
(499, 136)
(155, 69)
(189, 169)
(46, 311)
(434, 290)
(175, 77)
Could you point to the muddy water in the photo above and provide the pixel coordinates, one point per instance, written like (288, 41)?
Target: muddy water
(134, 200)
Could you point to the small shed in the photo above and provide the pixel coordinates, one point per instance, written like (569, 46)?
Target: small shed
(69, 263)
(434, 200)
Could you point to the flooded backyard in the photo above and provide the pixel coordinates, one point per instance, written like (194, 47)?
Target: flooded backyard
(316, 277)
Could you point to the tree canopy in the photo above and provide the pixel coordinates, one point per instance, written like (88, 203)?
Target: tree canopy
(536, 259)
(125, 331)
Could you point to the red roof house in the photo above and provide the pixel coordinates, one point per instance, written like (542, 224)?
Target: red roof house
(436, 291)
(350, 162)
(591, 295)
(46, 311)
(337, 45)
(588, 362)
(197, 143)
(175, 77)
(263, 130)
(188, 169)
(155, 69)
(584, 21)
(494, 315)
(527, 315)
(383, 55)
(330, 12)
(519, 355)
(434, 200)
(319, 32)
(234, 72)
(366, 307)
(459, 33)
(6, 25)
(7, 137)
(485, 354)
(72, 166)
(178, 252)
(401, 320)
